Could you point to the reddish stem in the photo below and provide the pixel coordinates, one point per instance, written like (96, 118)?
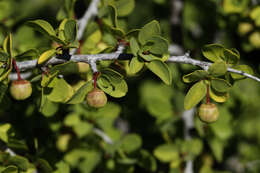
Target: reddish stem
(100, 22)
(79, 49)
(17, 70)
(208, 98)
(121, 41)
(95, 79)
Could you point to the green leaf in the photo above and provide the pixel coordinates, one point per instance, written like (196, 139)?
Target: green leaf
(163, 112)
(235, 6)
(166, 153)
(28, 55)
(135, 65)
(243, 68)
(59, 90)
(4, 128)
(8, 44)
(124, 7)
(217, 96)
(10, 169)
(196, 93)
(107, 115)
(46, 79)
(149, 57)
(213, 52)
(195, 76)
(149, 30)
(255, 15)
(47, 107)
(70, 31)
(192, 147)
(220, 85)
(45, 56)
(61, 30)
(134, 46)
(62, 167)
(131, 142)
(91, 161)
(218, 69)
(109, 15)
(147, 161)
(43, 26)
(112, 83)
(222, 128)
(66, 68)
(82, 129)
(3, 56)
(43, 166)
(72, 120)
(161, 70)
(232, 56)
(159, 45)
(80, 95)
(19, 161)
(217, 146)
(126, 161)
(3, 89)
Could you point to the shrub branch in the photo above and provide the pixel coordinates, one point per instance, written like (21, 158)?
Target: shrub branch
(93, 59)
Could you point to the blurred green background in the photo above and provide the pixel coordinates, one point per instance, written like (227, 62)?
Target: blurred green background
(146, 125)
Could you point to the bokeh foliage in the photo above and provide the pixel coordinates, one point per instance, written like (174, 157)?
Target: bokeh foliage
(145, 125)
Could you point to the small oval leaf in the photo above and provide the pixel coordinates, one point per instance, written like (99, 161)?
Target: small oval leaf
(218, 97)
(149, 30)
(135, 65)
(232, 56)
(124, 7)
(134, 46)
(45, 56)
(220, 85)
(213, 52)
(195, 76)
(218, 69)
(8, 44)
(195, 94)
(43, 26)
(243, 68)
(161, 70)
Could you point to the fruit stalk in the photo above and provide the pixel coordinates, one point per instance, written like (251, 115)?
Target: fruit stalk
(208, 98)
(95, 79)
(17, 70)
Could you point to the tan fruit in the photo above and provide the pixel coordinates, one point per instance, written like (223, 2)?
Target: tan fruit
(96, 98)
(21, 89)
(208, 113)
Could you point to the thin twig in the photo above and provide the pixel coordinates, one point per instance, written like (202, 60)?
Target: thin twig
(25, 75)
(92, 59)
(90, 12)
(83, 21)
(186, 59)
(188, 117)
(103, 135)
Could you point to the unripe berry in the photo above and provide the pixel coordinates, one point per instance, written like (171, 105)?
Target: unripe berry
(83, 67)
(208, 113)
(21, 89)
(96, 98)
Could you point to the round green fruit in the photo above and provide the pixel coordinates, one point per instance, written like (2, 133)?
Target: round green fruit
(83, 67)
(96, 98)
(208, 113)
(21, 89)
(254, 39)
(244, 28)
